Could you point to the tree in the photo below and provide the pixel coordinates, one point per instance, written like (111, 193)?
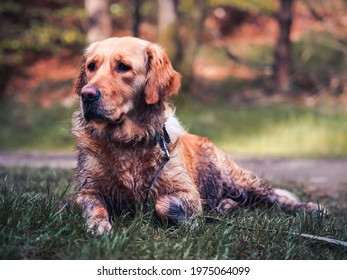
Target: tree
(137, 18)
(283, 49)
(180, 24)
(99, 20)
(193, 20)
(30, 30)
(168, 29)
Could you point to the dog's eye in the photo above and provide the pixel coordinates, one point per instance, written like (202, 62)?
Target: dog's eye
(121, 67)
(91, 66)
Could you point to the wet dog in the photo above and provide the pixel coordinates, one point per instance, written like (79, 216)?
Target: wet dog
(132, 149)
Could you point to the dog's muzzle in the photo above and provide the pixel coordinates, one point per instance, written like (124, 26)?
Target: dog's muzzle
(90, 105)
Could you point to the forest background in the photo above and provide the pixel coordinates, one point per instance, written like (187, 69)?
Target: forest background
(260, 77)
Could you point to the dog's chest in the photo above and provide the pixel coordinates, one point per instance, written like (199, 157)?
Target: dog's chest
(132, 169)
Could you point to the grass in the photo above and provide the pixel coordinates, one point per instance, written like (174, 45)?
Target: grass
(33, 127)
(259, 131)
(269, 131)
(39, 221)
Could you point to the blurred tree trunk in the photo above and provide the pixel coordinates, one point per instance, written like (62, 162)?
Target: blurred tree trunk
(283, 62)
(137, 18)
(181, 45)
(99, 20)
(168, 29)
(6, 72)
(194, 25)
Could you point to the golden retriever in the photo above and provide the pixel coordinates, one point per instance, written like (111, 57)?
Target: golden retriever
(132, 149)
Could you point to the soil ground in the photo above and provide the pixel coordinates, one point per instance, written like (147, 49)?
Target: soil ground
(323, 177)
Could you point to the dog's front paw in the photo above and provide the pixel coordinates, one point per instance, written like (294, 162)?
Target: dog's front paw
(98, 226)
(171, 210)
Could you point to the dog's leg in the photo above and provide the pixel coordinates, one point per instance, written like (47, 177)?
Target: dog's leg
(94, 211)
(226, 204)
(225, 185)
(178, 200)
(249, 189)
(288, 201)
(177, 209)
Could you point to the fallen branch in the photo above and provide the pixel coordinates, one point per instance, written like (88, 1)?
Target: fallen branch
(325, 239)
(210, 220)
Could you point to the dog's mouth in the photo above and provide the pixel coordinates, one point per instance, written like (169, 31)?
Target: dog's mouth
(99, 116)
(105, 119)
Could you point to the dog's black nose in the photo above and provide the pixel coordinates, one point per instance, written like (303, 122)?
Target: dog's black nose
(90, 94)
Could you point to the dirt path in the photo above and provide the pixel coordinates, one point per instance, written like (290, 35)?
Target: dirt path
(53, 160)
(324, 176)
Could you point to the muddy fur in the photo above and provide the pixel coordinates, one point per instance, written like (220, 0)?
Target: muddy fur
(118, 155)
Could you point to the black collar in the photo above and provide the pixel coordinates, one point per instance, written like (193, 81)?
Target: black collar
(162, 138)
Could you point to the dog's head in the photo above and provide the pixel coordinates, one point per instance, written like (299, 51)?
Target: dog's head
(118, 75)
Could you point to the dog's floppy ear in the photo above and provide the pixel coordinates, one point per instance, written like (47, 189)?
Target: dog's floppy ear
(162, 79)
(81, 79)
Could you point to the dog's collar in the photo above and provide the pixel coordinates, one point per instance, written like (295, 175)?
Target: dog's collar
(163, 139)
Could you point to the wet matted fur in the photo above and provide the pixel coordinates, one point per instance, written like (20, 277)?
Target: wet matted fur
(123, 84)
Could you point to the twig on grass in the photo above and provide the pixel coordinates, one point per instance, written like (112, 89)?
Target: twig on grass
(325, 239)
(209, 219)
